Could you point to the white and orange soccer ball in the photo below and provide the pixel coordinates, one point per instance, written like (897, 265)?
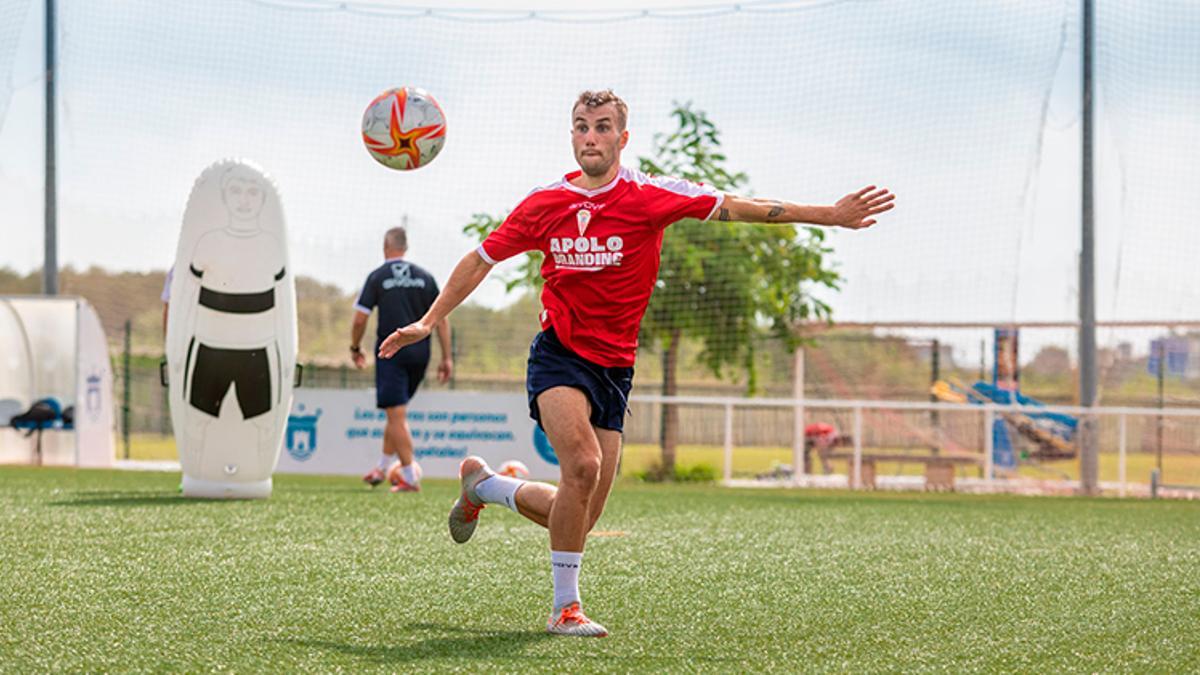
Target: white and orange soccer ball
(514, 468)
(404, 128)
(393, 473)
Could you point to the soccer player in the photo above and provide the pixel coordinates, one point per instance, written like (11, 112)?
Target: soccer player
(403, 292)
(601, 230)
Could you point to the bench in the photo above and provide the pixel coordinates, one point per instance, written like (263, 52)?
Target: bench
(939, 469)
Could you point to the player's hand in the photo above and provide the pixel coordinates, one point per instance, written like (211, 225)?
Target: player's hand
(360, 360)
(856, 211)
(403, 337)
(445, 370)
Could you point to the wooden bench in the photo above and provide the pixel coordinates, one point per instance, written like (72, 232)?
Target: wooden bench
(939, 469)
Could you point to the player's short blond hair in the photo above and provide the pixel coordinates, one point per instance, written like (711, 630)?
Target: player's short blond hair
(595, 99)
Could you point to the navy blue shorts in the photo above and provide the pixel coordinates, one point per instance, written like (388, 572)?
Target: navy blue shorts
(553, 365)
(397, 381)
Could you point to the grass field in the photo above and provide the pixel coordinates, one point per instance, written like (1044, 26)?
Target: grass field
(105, 571)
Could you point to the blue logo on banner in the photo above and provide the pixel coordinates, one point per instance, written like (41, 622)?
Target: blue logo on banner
(543, 447)
(93, 396)
(301, 438)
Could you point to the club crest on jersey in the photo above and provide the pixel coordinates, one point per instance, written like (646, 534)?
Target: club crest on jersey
(582, 218)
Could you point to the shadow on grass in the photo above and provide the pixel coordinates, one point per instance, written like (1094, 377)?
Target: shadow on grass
(502, 648)
(174, 498)
(330, 489)
(444, 642)
(131, 498)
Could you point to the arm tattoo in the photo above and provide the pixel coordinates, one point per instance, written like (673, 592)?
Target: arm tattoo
(724, 214)
(775, 211)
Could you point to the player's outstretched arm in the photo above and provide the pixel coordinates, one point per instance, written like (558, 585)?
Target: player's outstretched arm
(466, 276)
(854, 211)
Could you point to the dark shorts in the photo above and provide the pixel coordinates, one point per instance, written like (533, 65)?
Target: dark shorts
(397, 381)
(215, 369)
(553, 365)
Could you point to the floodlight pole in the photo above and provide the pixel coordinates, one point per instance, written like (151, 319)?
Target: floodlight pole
(1089, 468)
(50, 258)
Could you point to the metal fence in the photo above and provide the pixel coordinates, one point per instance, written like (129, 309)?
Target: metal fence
(751, 437)
(907, 433)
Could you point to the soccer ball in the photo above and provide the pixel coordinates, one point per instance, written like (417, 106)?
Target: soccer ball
(404, 128)
(394, 475)
(514, 469)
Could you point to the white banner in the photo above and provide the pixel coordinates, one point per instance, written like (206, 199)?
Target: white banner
(338, 431)
(95, 444)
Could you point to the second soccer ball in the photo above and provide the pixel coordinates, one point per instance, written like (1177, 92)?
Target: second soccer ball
(394, 475)
(514, 468)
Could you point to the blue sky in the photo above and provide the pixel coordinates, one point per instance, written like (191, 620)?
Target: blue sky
(969, 111)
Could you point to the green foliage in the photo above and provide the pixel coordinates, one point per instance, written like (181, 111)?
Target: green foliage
(17, 284)
(696, 473)
(494, 343)
(693, 152)
(724, 282)
(528, 274)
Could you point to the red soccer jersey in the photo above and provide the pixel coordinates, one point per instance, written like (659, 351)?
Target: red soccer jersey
(602, 252)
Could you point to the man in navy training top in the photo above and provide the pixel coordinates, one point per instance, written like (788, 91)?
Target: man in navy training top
(403, 292)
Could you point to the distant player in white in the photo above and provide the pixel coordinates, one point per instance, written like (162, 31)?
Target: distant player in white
(601, 231)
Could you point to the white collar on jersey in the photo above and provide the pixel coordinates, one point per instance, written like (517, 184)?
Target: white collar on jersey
(621, 173)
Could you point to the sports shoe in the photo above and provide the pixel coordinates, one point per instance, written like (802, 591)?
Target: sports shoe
(374, 477)
(402, 485)
(464, 515)
(570, 620)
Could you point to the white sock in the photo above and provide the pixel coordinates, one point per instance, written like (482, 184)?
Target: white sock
(385, 461)
(410, 474)
(497, 489)
(565, 565)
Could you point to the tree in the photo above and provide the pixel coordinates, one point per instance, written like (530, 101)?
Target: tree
(1051, 361)
(724, 284)
(527, 276)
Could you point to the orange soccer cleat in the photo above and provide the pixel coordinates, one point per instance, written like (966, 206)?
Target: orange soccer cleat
(570, 620)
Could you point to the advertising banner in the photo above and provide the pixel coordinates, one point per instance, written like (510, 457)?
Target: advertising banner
(339, 431)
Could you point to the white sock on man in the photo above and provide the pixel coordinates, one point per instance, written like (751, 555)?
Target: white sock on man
(497, 489)
(565, 565)
(410, 474)
(385, 461)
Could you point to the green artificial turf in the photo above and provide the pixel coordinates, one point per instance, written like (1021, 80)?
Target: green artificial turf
(112, 571)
